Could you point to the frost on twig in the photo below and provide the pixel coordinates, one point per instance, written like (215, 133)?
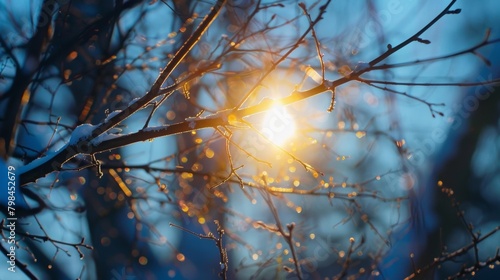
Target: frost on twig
(81, 133)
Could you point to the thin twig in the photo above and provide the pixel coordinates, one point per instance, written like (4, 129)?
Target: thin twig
(413, 38)
(282, 58)
(224, 261)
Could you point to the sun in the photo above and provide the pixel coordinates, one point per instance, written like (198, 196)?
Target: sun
(278, 125)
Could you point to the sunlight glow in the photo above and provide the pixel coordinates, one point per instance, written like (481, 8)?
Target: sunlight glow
(278, 125)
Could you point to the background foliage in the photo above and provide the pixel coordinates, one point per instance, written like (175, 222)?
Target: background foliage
(251, 139)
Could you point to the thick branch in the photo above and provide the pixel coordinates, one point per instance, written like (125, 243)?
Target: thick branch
(43, 166)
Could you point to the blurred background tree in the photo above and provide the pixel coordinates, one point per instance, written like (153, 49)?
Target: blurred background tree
(251, 139)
